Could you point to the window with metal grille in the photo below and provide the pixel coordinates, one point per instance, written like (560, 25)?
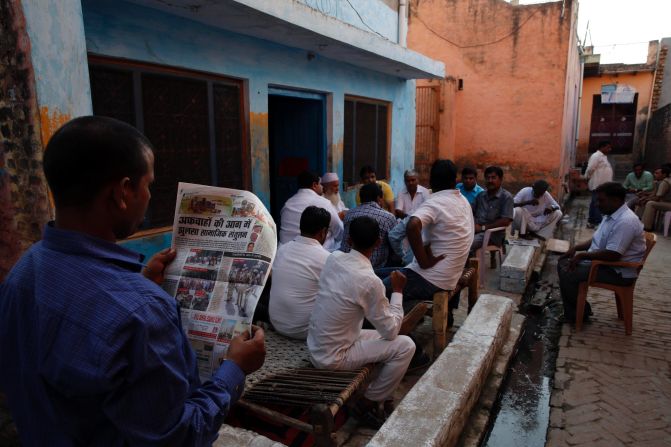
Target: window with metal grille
(194, 122)
(366, 138)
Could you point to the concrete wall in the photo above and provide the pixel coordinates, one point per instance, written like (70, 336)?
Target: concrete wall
(658, 141)
(664, 69)
(44, 83)
(642, 82)
(58, 54)
(513, 63)
(570, 120)
(378, 16)
(138, 33)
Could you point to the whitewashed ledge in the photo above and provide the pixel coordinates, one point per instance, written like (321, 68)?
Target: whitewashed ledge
(239, 437)
(436, 409)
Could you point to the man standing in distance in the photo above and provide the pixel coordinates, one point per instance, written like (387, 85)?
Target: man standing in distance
(93, 352)
(599, 171)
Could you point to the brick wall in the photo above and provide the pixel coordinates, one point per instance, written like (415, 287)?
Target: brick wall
(659, 78)
(24, 205)
(658, 147)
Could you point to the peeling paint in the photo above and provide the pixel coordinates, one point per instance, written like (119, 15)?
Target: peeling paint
(50, 122)
(258, 128)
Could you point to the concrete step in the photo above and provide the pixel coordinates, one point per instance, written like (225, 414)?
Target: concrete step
(436, 409)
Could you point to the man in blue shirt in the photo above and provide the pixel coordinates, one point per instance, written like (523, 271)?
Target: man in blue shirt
(371, 200)
(620, 237)
(469, 184)
(93, 352)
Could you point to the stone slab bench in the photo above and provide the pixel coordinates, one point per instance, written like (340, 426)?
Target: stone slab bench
(517, 268)
(239, 437)
(435, 410)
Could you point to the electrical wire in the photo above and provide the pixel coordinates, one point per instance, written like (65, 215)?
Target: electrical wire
(363, 21)
(519, 27)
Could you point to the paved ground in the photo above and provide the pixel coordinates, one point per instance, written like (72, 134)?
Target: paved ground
(611, 389)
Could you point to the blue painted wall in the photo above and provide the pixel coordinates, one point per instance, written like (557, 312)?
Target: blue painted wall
(129, 31)
(369, 15)
(58, 57)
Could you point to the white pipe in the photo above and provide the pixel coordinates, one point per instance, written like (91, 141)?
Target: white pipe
(402, 22)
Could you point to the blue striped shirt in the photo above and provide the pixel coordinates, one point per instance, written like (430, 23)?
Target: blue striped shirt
(93, 353)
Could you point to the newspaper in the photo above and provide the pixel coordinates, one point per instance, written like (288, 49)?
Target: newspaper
(226, 242)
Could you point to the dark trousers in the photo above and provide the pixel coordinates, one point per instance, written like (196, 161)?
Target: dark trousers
(594, 217)
(416, 289)
(569, 283)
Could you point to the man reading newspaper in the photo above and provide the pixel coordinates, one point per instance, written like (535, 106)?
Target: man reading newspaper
(93, 352)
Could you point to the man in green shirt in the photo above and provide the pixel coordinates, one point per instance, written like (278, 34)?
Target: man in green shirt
(639, 180)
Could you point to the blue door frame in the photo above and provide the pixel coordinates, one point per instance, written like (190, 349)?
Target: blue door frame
(297, 140)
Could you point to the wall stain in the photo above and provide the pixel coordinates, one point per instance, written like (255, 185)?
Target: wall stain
(50, 122)
(258, 130)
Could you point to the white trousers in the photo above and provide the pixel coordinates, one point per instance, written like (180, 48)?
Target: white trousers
(394, 355)
(545, 227)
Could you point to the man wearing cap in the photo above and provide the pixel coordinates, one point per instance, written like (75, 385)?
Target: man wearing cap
(331, 184)
(536, 210)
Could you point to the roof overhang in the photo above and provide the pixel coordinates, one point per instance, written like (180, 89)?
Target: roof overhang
(296, 25)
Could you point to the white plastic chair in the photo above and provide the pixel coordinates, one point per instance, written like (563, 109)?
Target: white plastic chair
(487, 248)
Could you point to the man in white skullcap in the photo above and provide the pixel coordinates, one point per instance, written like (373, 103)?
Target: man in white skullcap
(331, 184)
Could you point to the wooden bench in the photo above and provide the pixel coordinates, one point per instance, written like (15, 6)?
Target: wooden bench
(440, 311)
(288, 379)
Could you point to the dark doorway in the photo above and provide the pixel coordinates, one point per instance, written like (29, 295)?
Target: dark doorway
(613, 122)
(296, 127)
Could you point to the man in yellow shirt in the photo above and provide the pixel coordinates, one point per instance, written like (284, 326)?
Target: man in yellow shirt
(367, 175)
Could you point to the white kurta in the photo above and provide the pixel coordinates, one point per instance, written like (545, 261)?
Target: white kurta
(447, 219)
(291, 217)
(407, 204)
(349, 290)
(599, 170)
(533, 217)
(295, 284)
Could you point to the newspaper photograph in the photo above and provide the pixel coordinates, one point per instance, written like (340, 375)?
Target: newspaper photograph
(226, 241)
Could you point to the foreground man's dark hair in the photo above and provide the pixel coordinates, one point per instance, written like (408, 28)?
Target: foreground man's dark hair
(90, 152)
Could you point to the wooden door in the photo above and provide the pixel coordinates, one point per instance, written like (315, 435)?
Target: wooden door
(426, 131)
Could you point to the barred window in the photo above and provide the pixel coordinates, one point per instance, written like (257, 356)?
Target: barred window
(194, 122)
(366, 138)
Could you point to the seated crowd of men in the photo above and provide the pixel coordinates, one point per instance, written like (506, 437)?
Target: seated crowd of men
(381, 269)
(109, 339)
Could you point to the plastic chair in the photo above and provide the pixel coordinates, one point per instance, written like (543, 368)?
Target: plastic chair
(493, 250)
(624, 295)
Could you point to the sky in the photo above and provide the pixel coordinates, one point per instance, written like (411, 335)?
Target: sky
(620, 29)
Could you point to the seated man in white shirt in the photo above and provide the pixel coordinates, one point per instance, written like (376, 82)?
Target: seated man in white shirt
(296, 272)
(536, 210)
(331, 184)
(448, 220)
(309, 193)
(349, 291)
(412, 196)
